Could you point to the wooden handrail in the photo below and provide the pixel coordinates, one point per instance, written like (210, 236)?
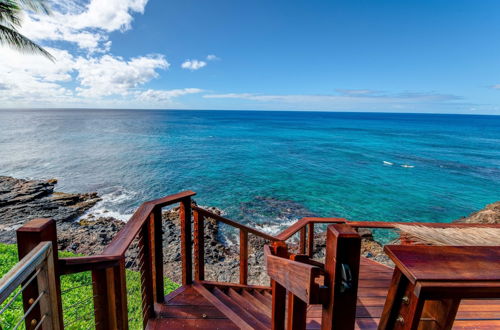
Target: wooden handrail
(81, 264)
(235, 224)
(390, 225)
(293, 229)
(127, 234)
(296, 277)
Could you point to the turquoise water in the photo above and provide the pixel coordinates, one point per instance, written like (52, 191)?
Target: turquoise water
(264, 167)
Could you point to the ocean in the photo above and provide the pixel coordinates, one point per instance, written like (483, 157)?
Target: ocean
(265, 169)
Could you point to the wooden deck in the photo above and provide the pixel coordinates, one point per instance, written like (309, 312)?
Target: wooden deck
(187, 308)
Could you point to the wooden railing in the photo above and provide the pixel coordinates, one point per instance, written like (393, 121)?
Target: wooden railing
(34, 276)
(306, 228)
(142, 234)
(199, 216)
(108, 268)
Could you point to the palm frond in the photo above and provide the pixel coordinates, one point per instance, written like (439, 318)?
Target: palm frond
(9, 13)
(15, 39)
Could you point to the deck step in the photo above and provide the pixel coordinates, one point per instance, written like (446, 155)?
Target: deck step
(264, 299)
(263, 314)
(235, 307)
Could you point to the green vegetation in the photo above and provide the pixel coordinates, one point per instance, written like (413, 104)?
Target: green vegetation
(76, 295)
(11, 12)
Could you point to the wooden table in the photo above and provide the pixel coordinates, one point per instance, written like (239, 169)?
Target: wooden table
(429, 282)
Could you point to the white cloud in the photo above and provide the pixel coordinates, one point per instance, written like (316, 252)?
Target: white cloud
(86, 25)
(212, 57)
(108, 75)
(152, 95)
(34, 81)
(344, 100)
(193, 64)
(92, 76)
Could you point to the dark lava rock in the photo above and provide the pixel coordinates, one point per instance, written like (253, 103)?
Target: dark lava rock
(23, 200)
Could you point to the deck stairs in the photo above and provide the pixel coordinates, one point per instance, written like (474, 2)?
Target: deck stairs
(251, 308)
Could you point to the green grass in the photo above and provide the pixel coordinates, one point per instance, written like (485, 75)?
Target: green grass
(78, 307)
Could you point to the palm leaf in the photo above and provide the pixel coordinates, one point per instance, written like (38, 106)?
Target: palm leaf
(15, 39)
(9, 13)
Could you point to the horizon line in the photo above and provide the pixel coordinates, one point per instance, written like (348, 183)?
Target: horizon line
(253, 110)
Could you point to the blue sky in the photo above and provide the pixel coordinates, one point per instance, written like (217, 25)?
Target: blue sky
(394, 56)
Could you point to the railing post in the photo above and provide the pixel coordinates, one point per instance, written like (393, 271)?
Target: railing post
(199, 246)
(28, 237)
(146, 261)
(278, 292)
(105, 315)
(297, 309)
(243, 256)
(120, 294)
(185, 219)
(110, 297)
(302, 243)
(343, 247)
(159, 285)
(47, 282)
(310, 240)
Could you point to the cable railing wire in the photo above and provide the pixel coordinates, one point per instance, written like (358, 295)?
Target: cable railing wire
(44, 317)
(80, 319)
(20, 291)
(77, 287)
(80, 303)
(37, 300)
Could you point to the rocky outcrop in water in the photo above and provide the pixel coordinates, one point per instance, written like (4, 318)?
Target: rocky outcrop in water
(490, 214)
(23, 200)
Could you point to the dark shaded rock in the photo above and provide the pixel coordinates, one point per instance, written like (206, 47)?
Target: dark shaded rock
(23, 200)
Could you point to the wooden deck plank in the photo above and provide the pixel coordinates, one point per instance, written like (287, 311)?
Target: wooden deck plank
(206, 324)
(185, 307)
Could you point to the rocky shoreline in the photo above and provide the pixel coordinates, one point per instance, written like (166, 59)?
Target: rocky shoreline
(23, 200)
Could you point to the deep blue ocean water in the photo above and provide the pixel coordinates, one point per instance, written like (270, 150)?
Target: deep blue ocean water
(264, 167)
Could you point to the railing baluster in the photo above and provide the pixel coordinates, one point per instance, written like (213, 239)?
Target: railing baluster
(199, 246)
(302, 243)
(185, 218)
(159, 285)
(243, 256)
(146, 269)
(310, 240)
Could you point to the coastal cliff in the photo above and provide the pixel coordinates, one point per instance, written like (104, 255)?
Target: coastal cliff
(23, 200)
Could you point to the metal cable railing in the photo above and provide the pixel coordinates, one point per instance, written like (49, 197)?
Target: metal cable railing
(134, 262)
(78, 301)
(32, 276)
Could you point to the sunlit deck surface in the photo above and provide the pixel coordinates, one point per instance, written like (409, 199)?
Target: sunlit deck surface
(188, 308)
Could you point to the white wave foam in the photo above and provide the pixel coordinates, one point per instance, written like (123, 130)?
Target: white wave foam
(407, 166)
(387, 163)
(117, 198)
